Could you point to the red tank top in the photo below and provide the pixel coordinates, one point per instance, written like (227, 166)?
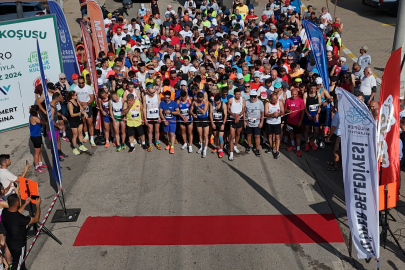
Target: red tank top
(346, 86)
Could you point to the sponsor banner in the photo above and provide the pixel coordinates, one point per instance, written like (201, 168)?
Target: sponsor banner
(388, 123)
(97, 27)
(55, 157)
(318, 47)
(68, 53)
(19, 67)
(360, 174)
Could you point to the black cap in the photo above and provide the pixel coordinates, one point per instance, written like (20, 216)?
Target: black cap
(50, 86)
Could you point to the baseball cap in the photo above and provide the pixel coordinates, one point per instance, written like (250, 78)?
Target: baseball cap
(75, 76)
(239, 76)
(183, 82)
(318, 80)
(120, 75)
(167, 15)
(230, 81)
(274, 50)
(364, 48)
(277, 85)
(253, 93)
(256, 74)
(268, 5)
(221, 66)
(329, 48)
(343, 59)
(337, 35)
(237, 54)
(125, 27)
(168, 40)
(273, 26)
(264, 16)
(109, 14)
(151, 71)
(192, 69)
(286, 33)
(284, 84)
(234, 33)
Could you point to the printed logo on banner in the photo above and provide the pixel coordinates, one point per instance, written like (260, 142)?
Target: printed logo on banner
(61, 35)
(354, 116)
(4, 89)
(33, 59)
(316, 46)
(387, 120)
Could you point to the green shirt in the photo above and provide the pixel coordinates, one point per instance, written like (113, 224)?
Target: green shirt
(246, 78)
(120, 92)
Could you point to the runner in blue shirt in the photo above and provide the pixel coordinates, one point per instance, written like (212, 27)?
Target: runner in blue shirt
(168, 109)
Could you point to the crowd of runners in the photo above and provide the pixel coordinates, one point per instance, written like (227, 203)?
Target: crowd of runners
(206, 77)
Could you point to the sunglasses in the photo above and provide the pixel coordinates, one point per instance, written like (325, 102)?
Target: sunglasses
(167, 97)
(81, 83)
(63, 78)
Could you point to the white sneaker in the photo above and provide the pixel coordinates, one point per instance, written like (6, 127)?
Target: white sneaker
(204, 153)
(184, 146)
(190, 149)
(200, 149)
(322, 145)
(230, 156)
(236, 149)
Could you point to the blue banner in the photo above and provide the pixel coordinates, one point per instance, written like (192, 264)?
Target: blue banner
(68, 53)
(317, 45)
(55, 156)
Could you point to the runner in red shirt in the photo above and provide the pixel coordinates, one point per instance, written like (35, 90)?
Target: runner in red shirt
(294, 107)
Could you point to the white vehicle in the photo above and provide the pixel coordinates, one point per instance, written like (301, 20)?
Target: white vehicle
(8, 10)
(386, 5)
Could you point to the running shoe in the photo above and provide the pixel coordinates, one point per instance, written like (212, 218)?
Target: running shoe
(230, 156)
(62, 155)
(322, 145)
(86, 138)
(43, 166)
(190, 149)
(158, 146)
(115, 143)
(184, 146)
(118, 148)
(248, 149)
(212, 139)
(66, 139)
(107, 144)
(221, 154)
(268, 150)
(92, 143)
(291, 147)
(76, 151)
(199, 151)
(313, 145)
(204, 153)
(131, 149)
(171, 150)
(216, 149)
(299, 153)
(39, 170)
(144, 147)
(83, 148)
(123, 146)
(277, 155)
(167, 147)
(306, 149)
(150, 148)
(236, 149)
(257, 152)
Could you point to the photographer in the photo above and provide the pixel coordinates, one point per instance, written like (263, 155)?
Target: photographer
(6, 177)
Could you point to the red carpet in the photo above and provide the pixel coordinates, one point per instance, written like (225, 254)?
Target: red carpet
(209, 230)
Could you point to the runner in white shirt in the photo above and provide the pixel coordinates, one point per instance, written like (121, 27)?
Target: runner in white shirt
(85, 95)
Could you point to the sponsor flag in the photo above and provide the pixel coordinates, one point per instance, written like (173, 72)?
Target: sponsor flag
(68, 53)
(55, 156)
(89, 49)
(318, 47)
(97, 27)
(388, 121)
(360, 173)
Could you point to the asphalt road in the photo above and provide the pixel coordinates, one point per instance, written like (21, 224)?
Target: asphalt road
(107, 183)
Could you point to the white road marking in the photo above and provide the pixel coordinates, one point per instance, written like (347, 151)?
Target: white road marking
(307, 191)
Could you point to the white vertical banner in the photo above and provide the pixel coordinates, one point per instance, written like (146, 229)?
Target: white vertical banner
(360, 173)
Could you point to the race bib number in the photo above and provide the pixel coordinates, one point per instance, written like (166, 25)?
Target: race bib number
(87, 109)
(263, 95)
(184, 112)
(117, 110)
(153, 111)
(134, 113)
(251, 120)
(313, 108)
(168, 115)
(217, 116)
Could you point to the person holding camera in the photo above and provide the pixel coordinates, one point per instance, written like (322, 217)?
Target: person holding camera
(6, 177)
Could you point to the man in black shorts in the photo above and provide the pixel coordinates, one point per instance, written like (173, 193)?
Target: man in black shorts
(274, 109)
(254, 111)
(218, 120)
(236, 110)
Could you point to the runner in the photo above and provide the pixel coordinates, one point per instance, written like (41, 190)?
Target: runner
(133, 111)
(186, 124)
(218, 117)
(236, 110)
(294, 108)
(85, 94)
(312, 101)
(56, 98)
(104, 104)
(200, 110)
(254, 111)
(168, 109)
(76, 113)
(151, 111)
(36, 139)
(116, 106)
(273, 111)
